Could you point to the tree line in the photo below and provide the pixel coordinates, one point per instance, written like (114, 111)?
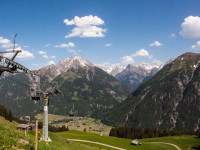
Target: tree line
(7, 114)
(58, 129)
(136, 133)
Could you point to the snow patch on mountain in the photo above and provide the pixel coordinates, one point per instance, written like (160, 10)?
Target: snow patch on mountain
(51, 71)
(111, 69)
(66, 64)
(149, 67)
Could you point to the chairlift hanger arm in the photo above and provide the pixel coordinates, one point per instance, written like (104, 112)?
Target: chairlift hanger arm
(11, 51)
(16, 65)
(13, 57)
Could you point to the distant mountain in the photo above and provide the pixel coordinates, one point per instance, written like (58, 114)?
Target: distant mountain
(169, 100)
(51, 71)
(133, 76)
(87, 89)
(112, 69)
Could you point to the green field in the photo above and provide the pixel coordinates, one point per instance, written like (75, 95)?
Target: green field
(90, 124)
(10, 139)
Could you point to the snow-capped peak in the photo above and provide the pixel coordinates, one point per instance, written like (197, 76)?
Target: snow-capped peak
(82, 61)
(149, 67)
(111, 69)
(70, 62)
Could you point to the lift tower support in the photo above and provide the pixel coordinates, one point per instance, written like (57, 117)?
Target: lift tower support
(45, 119)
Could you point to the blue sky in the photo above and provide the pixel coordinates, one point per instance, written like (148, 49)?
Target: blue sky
(102, 31)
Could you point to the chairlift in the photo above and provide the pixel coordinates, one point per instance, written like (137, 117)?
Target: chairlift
(34, 95)
(35, 92)
(9, 65)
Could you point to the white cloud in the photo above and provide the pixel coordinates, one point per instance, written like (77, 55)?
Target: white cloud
(45, 56)
(197, 46)
(157, 62)
(53, 57)
(142, 52)
(107, 65)
(156, 44)
(173, 35)
(70, 44)
(84, 21)
(24, 55)
(86, 26)
(26, 46)
(72, 51)
(51, 62)
(127, 60)
(47, 45)
(5, 43)
(42, 52)
(104, 65)
(109, 44)
(191, 27)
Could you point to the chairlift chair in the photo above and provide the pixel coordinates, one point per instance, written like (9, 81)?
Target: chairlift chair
(35, 96)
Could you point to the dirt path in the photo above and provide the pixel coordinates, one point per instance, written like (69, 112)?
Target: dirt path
(178, 148)
(77, 140)
(96, 143)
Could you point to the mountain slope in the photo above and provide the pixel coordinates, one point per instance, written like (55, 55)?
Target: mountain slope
(170, 100)
(87, 90)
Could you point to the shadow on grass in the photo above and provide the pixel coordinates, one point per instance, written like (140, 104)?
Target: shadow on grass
(196, 147)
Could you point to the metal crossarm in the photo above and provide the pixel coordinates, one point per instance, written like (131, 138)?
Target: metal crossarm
(16, 65)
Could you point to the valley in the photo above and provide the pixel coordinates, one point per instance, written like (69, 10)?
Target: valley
(100, 75)
(93, 101)
(77, 123)
(63, 140)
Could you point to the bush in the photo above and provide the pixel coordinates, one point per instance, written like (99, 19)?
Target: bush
(58, 129)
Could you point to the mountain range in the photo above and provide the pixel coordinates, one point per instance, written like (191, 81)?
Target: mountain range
(132, 76)
(86, 89)
(169, 100)
(165, 98)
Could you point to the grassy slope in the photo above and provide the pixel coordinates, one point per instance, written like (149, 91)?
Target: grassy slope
(184, 142)
(9, 137)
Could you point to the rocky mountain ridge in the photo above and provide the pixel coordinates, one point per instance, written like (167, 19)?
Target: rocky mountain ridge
(86, 87)
(133, 76)
(169, 100)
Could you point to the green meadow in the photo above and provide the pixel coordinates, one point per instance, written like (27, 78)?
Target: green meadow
(11, 138)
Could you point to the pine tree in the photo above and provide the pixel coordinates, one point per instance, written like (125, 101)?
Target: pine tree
(10, 116)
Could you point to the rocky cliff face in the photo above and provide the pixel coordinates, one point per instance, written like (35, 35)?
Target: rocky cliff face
(169, 100)
(133, 76)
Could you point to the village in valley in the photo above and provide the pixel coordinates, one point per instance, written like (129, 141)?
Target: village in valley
(86, 124)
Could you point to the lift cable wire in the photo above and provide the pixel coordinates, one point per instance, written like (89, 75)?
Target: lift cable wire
(17, 81)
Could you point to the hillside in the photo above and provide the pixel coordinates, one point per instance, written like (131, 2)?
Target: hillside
(170, 100)
(11, 138)
(87, 90)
